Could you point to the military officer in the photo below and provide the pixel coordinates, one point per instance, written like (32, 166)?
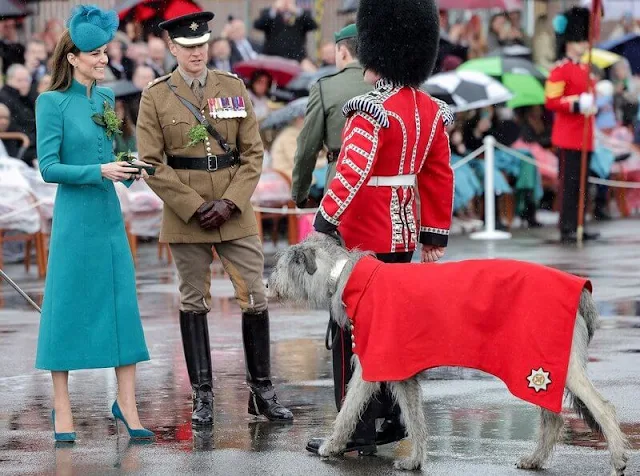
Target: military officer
(204, 123)
(324, 119)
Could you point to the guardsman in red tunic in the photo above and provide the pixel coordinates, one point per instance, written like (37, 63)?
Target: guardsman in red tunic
(394, 185)
(567, 95)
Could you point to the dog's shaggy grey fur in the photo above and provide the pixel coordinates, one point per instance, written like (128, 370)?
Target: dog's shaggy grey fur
(303, 274)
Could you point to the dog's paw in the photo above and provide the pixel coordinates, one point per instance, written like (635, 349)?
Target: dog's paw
(329, 448)
(619, 471)
(407, 464)
(529, 462)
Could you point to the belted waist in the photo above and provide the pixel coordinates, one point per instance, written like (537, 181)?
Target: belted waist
(333, 155)
(211, 163)
(392, 181)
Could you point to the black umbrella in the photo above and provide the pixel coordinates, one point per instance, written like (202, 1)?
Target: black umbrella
(13, 9)
(627, 46)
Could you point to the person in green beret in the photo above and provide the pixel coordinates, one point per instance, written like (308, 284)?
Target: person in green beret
(324, 119)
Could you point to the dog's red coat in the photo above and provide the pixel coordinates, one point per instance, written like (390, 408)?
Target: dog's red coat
(504, 317)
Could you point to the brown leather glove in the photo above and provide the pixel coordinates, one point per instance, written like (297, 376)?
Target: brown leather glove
(202, 212)
(212, 215)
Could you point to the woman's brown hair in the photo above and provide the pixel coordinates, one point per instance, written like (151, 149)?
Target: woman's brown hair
(61, 69)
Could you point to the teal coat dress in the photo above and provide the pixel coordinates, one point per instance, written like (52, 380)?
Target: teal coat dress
(90, 317)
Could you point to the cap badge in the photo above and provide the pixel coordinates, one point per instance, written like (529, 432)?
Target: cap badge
(193, 26)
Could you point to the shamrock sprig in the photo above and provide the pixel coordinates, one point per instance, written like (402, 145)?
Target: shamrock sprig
(197, 134)
(109, 120)
(125, 157)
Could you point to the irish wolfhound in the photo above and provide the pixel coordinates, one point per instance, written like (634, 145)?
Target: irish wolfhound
(316, 271)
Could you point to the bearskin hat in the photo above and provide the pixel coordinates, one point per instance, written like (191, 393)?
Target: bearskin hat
(398, 39)
(578, 22)
(572, 25)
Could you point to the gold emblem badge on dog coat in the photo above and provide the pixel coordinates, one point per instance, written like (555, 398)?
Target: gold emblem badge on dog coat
(539, 379)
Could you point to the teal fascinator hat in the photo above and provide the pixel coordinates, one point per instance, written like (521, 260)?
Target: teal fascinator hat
(91, 27)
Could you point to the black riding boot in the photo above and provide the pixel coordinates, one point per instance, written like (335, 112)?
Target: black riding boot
(262, 399)
(197, 353)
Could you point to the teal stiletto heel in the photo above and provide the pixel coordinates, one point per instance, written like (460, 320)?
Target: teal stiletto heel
(61, 437)
(141, 434)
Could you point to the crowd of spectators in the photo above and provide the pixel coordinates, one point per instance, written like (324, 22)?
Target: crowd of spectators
(139, 56)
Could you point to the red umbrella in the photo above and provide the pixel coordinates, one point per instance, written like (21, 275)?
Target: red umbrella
(281, 70)
(143, 10)
(507, 5)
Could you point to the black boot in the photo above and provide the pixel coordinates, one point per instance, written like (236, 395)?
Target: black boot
(262, 399)
(363, 439)
(197, 353)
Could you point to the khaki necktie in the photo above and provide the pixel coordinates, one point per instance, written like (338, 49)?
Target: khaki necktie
(197, 89)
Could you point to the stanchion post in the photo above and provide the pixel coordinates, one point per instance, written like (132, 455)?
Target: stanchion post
(489, 232)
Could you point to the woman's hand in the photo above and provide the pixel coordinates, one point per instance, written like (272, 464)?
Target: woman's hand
(118, 171)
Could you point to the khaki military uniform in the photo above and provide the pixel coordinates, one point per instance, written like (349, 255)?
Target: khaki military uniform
(323, 125)
(162, 129)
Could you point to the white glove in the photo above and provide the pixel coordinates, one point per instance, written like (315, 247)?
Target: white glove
(587, 104)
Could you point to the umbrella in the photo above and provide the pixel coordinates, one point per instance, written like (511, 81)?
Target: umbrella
(281, 70)
(12, 9)
(122, 88)
(305, 80)
(512, 50)
(520, 76)
(627, 46)
(507, 5)
(466, 90)
(281, 117)
(601, 58)
(143, 10)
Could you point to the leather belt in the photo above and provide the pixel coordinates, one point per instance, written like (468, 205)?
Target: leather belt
(211, 163)
(392, 181)
(333, 155)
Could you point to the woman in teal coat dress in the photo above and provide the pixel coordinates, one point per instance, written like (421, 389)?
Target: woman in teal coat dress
(90, 317)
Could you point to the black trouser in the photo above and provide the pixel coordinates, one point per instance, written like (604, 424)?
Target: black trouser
(381, 406)
(569, 178)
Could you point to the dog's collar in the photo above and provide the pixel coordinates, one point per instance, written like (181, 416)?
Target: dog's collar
(334, 275)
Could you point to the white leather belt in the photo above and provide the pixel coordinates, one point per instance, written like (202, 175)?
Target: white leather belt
(392, 181)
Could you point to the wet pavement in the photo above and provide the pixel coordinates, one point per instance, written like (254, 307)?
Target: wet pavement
(476, 426)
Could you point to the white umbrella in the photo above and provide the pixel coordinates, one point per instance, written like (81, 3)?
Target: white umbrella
(466, 90)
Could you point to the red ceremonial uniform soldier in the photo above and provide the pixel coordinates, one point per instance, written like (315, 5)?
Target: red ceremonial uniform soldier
(567, 95)
(393, 186)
